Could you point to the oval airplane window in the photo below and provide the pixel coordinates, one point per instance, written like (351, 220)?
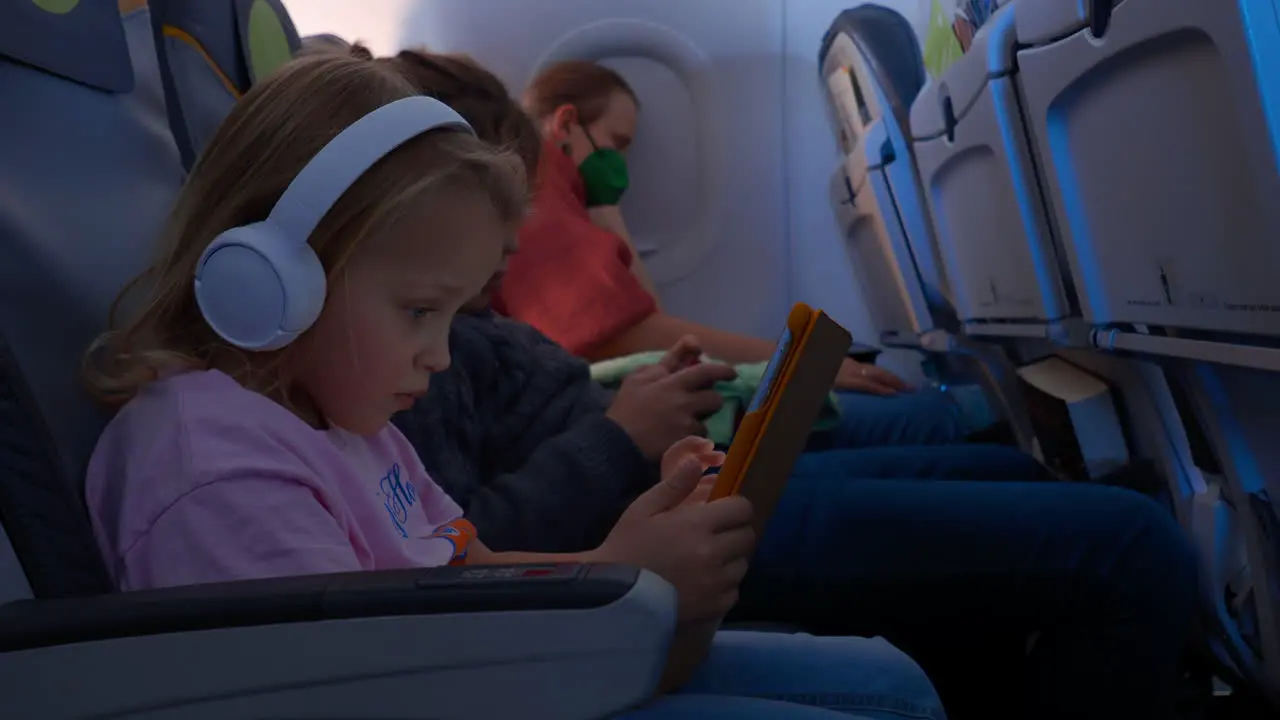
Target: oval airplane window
(661, 206)
(677, 188)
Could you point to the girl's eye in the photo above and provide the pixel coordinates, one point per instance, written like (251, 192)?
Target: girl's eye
(417, 313)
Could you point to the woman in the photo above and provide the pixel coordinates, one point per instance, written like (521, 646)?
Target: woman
(587, 115)
(579, 280)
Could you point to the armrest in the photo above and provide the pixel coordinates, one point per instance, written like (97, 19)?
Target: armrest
(428, 591)
(901, 340)
(865, 354)
(498, 641)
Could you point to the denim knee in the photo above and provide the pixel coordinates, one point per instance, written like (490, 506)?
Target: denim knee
(895, 685)
(1169, 554)
(863, 676)
(1015, 464)
(721, 707)
(1157, 567)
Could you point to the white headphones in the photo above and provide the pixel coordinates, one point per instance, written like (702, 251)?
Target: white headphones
(260, 286)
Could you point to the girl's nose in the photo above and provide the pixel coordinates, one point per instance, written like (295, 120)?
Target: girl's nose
(434, 359)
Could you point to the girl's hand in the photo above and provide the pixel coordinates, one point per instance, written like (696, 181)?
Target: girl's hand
(687, 352)
(700, 548)
(700, 450)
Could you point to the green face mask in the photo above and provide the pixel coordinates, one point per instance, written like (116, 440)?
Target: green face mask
(604, 173)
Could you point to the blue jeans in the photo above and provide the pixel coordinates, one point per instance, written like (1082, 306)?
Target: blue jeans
(963, 573)
(758, 675)
(924, 417)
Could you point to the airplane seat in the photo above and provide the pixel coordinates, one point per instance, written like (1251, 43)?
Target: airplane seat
(1154, 237)
(1058, 124)
(978, 170)
(90, 168)
(890, 49)
(1156, 126)
(84, 96)
(872, 63)
(870, 60)
(210, 54)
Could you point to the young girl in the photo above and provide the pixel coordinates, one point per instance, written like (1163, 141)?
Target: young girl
(239, 454)
(588, 115)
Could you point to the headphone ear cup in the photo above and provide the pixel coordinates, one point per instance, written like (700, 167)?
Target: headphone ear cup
(258, 289)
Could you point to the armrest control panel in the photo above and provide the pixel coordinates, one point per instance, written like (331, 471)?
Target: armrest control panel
(500, 574)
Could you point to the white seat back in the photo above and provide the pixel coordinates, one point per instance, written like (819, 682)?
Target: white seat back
(1157, 123)
(872, 66)
(979, 174)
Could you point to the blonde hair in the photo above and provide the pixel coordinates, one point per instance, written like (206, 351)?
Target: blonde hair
(270, 135)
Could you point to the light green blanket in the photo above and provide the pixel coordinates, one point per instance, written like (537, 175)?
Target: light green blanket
(737, 393)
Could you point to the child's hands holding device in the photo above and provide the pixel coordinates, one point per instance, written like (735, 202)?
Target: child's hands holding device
(772, 435)
(701, 548)
(704, 452)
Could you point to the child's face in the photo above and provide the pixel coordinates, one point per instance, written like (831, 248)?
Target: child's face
(385, 324)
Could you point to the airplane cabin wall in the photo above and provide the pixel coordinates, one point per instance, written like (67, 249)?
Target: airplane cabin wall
(374, 24)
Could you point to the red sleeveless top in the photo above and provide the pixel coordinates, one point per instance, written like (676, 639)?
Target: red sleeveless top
(570, 279)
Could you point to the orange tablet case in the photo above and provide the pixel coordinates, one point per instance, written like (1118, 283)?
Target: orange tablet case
(776, 427)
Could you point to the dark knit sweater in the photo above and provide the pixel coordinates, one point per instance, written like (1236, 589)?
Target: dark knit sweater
(515, 432)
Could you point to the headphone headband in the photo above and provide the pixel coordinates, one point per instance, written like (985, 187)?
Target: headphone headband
(348, 156)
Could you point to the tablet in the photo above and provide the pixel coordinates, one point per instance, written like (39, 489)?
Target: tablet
(776, 427)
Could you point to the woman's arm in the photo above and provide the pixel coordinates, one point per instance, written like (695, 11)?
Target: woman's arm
(660, 331)
(610, 218)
